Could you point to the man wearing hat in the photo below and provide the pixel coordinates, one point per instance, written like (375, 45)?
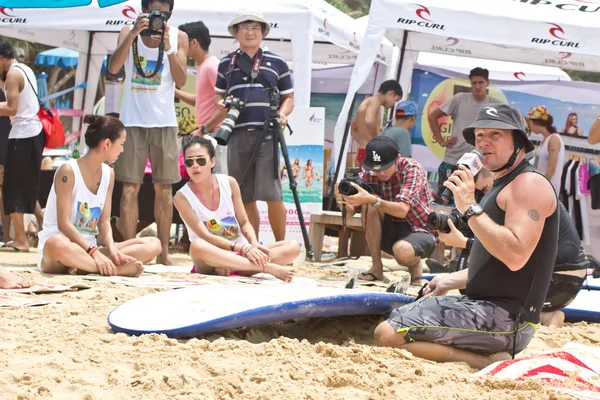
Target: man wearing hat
(249, 27)
(406, 118)
(397, 214)
(511, 263)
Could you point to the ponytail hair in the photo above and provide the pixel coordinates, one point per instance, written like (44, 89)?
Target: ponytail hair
(102, 127)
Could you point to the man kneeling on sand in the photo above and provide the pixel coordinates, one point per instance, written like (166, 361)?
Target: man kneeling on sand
(511, 263)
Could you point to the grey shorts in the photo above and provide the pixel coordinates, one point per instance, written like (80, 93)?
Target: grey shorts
(393, 230)
(162, 146)
(262, 181)
(475, 325)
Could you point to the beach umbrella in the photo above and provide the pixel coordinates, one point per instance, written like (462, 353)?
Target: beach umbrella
(42, 85)
(62, 58)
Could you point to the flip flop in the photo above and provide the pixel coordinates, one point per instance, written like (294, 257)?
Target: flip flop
(369, 274)
(13, 249)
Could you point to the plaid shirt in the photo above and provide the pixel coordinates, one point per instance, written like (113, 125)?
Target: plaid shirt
(408, 185)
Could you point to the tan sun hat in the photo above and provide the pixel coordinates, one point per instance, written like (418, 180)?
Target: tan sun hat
(249, 15)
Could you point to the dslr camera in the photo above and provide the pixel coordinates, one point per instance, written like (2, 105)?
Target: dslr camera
(235, 106)
(346, 189)
(439, 222)
(156, 23)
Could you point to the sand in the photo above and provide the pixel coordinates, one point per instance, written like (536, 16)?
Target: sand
(67, 351)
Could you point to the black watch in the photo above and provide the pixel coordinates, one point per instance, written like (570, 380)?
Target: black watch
(204, 130)
(474, 209)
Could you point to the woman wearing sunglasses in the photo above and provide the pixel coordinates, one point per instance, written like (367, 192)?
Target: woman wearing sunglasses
(79, 208)
(223, 240)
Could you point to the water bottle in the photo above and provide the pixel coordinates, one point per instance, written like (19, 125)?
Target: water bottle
(76, 152)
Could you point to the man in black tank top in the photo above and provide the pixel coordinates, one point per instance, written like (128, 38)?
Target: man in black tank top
(512, 258)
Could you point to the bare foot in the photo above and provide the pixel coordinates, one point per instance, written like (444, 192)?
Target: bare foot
(223, 271)
(133, 269)
(284, 273)
(492, 358)
(553, 319)
(164, 260)
(11, 281)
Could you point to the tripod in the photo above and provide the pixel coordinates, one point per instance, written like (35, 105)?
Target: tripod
(273, 124)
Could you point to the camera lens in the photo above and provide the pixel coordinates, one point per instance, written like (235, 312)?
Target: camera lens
(156, 23)
(438, 222)
(346, 189)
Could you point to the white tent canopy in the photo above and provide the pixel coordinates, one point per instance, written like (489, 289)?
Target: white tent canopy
(91, 29)
(548, 32)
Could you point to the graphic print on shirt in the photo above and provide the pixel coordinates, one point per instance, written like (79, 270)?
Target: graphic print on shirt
(142, 83)
(226, 228)
(86, 219)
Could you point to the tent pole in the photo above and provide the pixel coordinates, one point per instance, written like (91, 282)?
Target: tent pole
(87, 72)
(402, 53)
(331, 191)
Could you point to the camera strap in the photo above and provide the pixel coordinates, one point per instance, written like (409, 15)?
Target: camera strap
(136, 58)
(252, 70)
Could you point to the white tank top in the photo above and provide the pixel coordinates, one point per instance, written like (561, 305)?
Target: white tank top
(25, 123)
(221, 222)
(86, 207)
(542, 163)
(149, 102)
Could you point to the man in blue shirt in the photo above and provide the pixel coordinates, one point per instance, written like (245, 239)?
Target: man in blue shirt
(249, 27)
(406, 117)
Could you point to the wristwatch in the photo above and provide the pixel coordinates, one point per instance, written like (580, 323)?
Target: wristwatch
(204, 130)
(377, 203)
(474, 209)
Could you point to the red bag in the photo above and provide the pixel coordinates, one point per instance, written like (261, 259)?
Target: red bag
(53, 127)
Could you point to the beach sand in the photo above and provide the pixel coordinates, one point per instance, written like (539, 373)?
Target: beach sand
(68, 351)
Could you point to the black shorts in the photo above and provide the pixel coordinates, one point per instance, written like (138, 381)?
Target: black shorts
(562, 291)
(394, 230)
(22, 174)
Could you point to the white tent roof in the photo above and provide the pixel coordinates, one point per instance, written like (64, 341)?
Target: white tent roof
(548, 32)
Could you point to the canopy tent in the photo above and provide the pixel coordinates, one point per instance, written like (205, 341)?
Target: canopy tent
(548, 32)
(90, 27)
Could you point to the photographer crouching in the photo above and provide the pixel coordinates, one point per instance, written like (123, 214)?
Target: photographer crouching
(511, 262)
(396, 211)
(249, 81)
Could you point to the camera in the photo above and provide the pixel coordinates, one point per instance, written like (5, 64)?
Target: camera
(236, 106)
(439, 222)
(346, 189)
(156, 23)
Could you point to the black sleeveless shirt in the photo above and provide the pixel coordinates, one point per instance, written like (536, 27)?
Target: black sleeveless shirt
(521, 293)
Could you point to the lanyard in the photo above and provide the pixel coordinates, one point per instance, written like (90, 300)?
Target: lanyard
(212, 185)
(255, 67)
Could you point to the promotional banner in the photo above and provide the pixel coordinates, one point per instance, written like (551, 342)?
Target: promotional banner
(305, 148)
(574, 106)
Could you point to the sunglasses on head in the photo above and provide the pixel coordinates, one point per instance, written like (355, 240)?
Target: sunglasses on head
(189, 162)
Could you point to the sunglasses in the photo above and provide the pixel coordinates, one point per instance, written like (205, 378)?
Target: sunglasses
(189, 162)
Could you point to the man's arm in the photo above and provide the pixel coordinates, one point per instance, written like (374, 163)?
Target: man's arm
(553, 150)
(177, 61)
(188, 98)
(287, 106)
(594, 135)
(14, 85)
(433, 118)
(528, 201)
(124, 42)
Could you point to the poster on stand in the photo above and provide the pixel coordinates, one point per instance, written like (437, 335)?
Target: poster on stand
(305, 148)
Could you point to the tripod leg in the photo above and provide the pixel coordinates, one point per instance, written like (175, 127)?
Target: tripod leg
(278, 136)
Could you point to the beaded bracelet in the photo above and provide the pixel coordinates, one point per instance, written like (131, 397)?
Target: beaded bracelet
(246, 249)
(232, 246)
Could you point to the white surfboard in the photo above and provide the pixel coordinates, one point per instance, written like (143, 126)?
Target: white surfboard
(199, 310)
(585, 307)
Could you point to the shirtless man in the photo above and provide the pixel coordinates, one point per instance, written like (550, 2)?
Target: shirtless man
(367, 122)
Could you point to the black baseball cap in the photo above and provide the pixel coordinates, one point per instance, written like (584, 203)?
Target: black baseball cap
(382, 153)
(498, 116)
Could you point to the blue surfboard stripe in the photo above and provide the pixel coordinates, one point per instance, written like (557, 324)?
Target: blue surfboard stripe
(330, 306)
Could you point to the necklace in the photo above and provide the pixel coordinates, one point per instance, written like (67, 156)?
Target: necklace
(92, 175)
(212, 186)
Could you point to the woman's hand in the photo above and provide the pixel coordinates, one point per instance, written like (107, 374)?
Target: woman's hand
(119, 258)
(104, 264)
(257, 257)
(264, 249)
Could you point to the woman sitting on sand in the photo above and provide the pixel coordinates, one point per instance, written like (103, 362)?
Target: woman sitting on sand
(211, 207)
(79, 208)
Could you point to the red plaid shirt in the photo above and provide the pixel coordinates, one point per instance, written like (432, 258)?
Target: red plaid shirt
(408, 185)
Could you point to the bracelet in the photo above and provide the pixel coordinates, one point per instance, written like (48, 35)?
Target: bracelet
(232, 246)
(246, 249)
(91, 248)
(170, 51)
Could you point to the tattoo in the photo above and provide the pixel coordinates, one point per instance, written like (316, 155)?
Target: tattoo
(533, 214)
(64, 179)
